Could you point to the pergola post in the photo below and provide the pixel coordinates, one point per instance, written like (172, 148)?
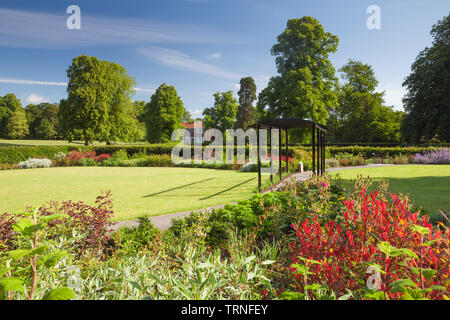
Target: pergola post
(279, 151)
(259, 158)
(271, 154)
(323, 152)
(287, 152)
(313, 148)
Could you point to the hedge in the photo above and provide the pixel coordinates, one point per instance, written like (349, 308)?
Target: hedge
(16, 154)
(375, 151)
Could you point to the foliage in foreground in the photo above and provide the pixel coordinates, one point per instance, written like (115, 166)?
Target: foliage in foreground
(310, 241)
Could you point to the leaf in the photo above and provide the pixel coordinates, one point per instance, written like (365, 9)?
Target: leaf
(53, 258)
(19, 253)
(409, 253)
(428, 273)
(136, 285)
(289, 295)
(11, 284)
(24, 226)
(268, 262)
(375, 295)
(63, 293)
(428, 243)
(401, 284)
(4, 271)
(420, 229)
(385, 247)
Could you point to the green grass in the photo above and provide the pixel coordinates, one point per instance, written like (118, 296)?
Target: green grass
(7, 143)
(427, 185)
(136, 191)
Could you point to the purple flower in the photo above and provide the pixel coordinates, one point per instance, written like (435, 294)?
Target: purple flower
(440, 156)
(324, 184)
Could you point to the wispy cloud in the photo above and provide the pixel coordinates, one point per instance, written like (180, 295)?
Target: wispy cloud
(25, 29)
(180, 60)
(53, 83)
(214, 56)
(36, 99)
(144, 90)
(32, 82)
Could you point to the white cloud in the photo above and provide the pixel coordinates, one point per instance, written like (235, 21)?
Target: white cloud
(24, 29)
(179, 60)
(53, 83)
(32, 82)
(144, 90)
(214, 56)
(197, 112)
(36, 99)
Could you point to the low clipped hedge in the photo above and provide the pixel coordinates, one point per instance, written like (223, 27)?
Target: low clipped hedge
(16, 154)
(375, 151)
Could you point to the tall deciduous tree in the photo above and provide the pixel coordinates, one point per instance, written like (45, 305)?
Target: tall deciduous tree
(98, 106)
(17, 125)
(36, 114)
(223, 115)
(163, 114)
(9, 104)
(246, 113)
(361, 115)
(427, 102)
(306, 85)
(46, 129)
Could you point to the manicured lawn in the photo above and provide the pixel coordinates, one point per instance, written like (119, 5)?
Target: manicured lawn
(136, 191)
(427, 185)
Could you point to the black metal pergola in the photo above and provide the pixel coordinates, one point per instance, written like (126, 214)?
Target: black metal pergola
(318, 143)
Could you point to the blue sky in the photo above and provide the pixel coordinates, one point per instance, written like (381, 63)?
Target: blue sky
(200, 46)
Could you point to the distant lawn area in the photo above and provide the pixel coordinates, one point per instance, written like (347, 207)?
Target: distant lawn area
(427, 185)
(135, 191)
(6, 143)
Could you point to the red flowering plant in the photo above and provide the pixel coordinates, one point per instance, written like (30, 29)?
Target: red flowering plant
(75, 157)
(407, 254)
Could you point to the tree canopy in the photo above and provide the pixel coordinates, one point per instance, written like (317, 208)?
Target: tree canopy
(306, 85)
(360, 115)
(427, 102)
(246, 113)
(163, 114)
(98, 105)
(223, 115)
(9, 104)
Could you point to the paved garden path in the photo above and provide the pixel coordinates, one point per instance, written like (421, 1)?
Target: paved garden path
(164, 222)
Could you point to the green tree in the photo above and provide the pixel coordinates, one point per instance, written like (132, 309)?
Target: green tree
(46, 130)
(9, 104)
(98, 105)
(187, 117)
(361, 115)
(163, 114)
(37, 113)
(17, 125)
(306, 85)
(427, 100)
(223, 115)
(246, 113)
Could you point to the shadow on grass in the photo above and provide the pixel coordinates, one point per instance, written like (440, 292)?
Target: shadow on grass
(228, 189)
(176, 188)
(430, 192)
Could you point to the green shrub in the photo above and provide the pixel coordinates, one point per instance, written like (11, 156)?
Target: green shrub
(135, 239)
(88, 162)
